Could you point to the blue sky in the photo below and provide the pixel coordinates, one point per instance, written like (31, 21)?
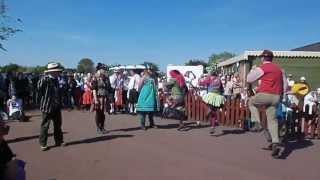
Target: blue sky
(162, 31)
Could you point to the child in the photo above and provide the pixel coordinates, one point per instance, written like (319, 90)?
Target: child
(15, 109)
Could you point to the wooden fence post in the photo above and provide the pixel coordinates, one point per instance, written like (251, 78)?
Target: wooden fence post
(232, 119)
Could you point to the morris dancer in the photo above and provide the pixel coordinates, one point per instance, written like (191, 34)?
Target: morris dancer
(178, 88)
(50, 105)
(272, 85)
(214, 98)
(100, 86)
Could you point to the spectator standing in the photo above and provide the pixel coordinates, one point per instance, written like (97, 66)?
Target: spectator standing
(290, 81)
(228, 88)
(236, 87)
(133, 93)
(87, 95)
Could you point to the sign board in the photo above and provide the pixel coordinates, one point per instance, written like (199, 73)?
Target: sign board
(197, 70)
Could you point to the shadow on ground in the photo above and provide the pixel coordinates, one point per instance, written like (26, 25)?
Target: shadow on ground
(230, 131)
(187, 126)
(291, 146)
(98, 139)
(26, 138)
(126, 130)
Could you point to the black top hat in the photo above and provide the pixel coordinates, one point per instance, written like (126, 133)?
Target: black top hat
(101, 66)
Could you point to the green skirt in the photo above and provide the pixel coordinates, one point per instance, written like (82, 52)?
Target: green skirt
(213, 99)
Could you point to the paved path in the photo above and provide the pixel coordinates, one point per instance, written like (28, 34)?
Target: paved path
(164, 154)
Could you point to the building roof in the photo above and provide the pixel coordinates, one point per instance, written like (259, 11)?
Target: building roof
(278, 54)
(315, 47)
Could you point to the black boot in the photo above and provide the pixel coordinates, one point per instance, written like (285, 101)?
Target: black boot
(275, 151)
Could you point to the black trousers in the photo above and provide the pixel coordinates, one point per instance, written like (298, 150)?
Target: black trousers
(100, 119)
(56, 118)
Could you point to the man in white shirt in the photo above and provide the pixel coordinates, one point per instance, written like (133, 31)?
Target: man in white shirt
(290, 81)
(228, 88)
(133, 94)
(113, 83)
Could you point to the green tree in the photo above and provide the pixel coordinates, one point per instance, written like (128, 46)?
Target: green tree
(216, 58)
(10, 68)
(196, 62)
(85, 65)
(6, 28)
(38, 69)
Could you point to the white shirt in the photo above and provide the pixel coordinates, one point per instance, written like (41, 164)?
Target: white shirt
(134, 82)
(14, 106)
(113, 79)
(290, 82)
(228, 88)
(310, 100)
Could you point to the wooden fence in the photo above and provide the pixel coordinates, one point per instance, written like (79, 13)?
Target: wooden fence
(235, 113)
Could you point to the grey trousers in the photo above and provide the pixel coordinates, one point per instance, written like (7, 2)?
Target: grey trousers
(270, 101)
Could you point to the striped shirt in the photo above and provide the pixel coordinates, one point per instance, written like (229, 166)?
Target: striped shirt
(50, 95)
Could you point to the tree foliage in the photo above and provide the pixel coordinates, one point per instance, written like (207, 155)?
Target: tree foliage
(216, 58)
(6, 28)
(85, 65)
(11, 68)
(196, 62)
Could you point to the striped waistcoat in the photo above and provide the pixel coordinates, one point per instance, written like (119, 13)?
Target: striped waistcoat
(50, 95)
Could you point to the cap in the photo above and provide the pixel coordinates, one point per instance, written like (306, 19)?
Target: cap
(267, 53)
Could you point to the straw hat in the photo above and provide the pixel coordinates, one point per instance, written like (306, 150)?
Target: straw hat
(53, 67)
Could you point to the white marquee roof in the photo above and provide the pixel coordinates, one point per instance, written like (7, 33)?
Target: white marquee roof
(283, 54)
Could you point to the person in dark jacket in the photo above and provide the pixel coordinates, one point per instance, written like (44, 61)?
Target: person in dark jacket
(101, 86)
(10, 168)
(50, 105)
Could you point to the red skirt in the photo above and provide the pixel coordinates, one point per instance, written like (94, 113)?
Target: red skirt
(119, 98)
(87, 98)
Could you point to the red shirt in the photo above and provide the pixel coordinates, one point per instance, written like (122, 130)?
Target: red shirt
(272, 79)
